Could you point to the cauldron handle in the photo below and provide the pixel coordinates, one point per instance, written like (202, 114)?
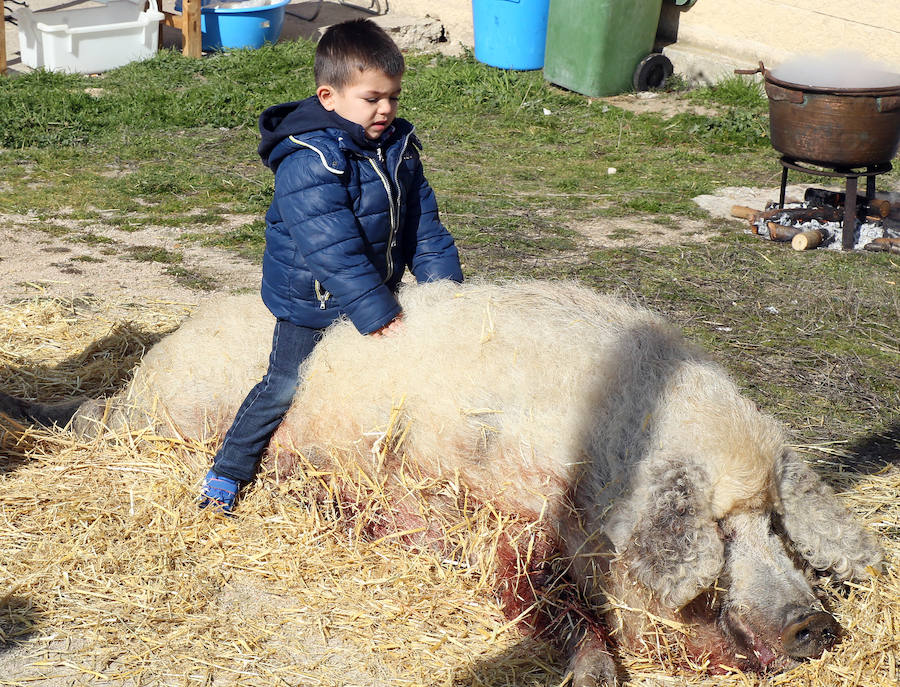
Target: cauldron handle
(889, 104)
(778, 93)
(761, 69)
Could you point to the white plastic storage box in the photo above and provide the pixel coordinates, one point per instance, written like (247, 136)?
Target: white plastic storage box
(89, 39)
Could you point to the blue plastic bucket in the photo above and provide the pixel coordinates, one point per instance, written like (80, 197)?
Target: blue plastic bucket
(239, 27)
(510, 34)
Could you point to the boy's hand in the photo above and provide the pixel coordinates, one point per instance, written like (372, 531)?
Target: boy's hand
(390, 328)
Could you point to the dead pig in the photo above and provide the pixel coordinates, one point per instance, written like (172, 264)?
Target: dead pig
(668, 492)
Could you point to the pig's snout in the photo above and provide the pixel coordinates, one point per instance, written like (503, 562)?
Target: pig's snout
(809, 635)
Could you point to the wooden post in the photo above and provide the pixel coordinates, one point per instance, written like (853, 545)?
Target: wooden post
(164, 22)
(188, 22)
(3, 45)
(190, 28)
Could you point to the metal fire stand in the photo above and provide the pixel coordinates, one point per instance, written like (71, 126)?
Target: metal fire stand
(848, 226)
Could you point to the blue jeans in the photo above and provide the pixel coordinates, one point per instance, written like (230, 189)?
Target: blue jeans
(265, 405)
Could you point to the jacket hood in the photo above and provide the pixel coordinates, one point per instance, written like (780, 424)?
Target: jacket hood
(302, 116)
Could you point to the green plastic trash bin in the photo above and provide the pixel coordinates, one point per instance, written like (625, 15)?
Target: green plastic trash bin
(603, 47)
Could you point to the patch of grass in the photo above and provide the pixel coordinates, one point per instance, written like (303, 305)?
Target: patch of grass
(154, 254)
(191, 279)
(188, 220)
(677, 83)
(248, 240)
(744, 113)
(735, 126)
(668, 221)
(166, 92)
(86, 258)
(619, 234)
(794, 337)
(92, 239)
(54, 229)
(29, 117)
(734, 91)
(483, 128)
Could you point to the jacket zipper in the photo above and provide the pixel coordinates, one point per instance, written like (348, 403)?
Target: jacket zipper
(387, 188)
(395, 206)
(397, 173)
(321, 294)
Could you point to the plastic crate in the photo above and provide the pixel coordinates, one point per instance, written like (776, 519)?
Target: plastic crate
(89, 39)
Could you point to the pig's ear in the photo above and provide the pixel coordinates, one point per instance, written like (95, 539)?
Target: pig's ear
(821, 528)
(675, 549)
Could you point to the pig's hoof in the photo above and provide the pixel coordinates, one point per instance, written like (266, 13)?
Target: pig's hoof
(593, 665)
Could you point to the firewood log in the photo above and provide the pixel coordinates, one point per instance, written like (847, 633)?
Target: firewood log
(819, 214)
(779, 232)
(887, 245)
(821, 196)
(806, 240)
(743, 212)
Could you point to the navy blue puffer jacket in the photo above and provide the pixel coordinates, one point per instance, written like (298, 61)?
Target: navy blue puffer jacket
(348, 216)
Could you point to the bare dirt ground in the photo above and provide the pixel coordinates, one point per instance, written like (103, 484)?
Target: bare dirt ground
(95, 262)
(68, 267)
(621, 232)
(666, 105)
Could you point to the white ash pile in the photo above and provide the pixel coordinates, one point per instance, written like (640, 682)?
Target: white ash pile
(817, 222)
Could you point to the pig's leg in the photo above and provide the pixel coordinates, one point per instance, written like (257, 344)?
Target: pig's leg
(47, 414)
(592, 664)
(675, 548)
(84, 416)
(822, 530)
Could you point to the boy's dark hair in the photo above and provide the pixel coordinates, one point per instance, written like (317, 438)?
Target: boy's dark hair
(352, 46)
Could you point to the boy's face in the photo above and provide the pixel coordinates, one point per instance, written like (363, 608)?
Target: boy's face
(370, 100)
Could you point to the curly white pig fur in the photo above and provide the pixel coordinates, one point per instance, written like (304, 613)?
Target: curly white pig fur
(541, 398)
(551, 394)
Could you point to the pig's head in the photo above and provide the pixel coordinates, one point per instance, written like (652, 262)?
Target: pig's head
(741, 584)
(759, 613)
(764, 614)
(769, 613)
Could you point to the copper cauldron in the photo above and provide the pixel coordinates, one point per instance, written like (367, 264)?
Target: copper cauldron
(832, 127)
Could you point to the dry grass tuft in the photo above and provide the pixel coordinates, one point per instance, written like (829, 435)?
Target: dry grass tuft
(110, 575)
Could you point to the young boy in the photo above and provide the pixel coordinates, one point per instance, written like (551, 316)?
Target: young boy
(352, 209)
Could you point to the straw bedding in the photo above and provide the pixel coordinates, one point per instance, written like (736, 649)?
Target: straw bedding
(109, 575)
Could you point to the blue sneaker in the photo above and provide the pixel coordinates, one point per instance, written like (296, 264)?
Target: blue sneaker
(219, 492)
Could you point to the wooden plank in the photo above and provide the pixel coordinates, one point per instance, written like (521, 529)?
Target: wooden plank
(173, 20)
